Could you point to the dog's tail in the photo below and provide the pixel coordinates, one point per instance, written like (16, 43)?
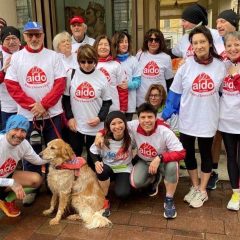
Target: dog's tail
(98, 221)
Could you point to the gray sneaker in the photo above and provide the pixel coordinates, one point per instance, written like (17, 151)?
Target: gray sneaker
(198, 200)
(29, 199)
(191, 194)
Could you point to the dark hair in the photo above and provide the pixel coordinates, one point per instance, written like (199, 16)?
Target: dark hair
(99, 38)
(146, 107)
(117, 38)
(206, 32)
(87, 52)
(158, 34)
(109, 134)
(160, 89)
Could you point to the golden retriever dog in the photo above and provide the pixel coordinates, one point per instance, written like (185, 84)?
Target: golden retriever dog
(80, 186)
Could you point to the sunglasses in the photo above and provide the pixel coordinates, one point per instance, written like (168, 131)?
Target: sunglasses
(87, 61)
(157, 40)
(30, 35)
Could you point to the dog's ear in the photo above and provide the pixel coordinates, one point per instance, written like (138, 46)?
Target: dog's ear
(67, 152)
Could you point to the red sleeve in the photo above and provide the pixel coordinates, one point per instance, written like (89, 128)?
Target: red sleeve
(174, 156)
(2, 75)
(123, 99)
(18, 94)
(54, 95)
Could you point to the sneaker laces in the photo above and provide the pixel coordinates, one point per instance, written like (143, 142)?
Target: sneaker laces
(200, 196)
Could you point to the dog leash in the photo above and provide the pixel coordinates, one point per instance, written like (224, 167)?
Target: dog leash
(54, 127)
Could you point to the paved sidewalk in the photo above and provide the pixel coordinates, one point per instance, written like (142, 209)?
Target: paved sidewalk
(139, 218)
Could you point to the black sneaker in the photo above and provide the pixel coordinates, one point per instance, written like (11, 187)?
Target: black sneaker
(212, 182)
(169, 208)
(107, 211)
(153, 187)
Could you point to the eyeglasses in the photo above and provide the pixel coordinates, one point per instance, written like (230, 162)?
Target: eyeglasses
(37, 35)
(155, 96)
(157, 40)
(87, 61)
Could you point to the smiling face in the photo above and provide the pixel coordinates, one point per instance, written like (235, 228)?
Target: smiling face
(117, 127)
(200, 46)
(34, 39)
(12, 43)
(155, 98)
(232, 47)
(153, 44)
(224, 27)
(65, 46)
(103, 48)
(147, 121)
(16, 136)
(78, 30)
(123, 45)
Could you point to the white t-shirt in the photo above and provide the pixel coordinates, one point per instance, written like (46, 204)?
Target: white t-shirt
(8, 104)
(36, 73)
(229, 120)
(114, 74)
(161, 140)
(131, 68)
(199, 106)
(87, 91)
(10, 155)
(155, 69)
(76, 45)
(69, 62)
(114, 156)
(184, 48)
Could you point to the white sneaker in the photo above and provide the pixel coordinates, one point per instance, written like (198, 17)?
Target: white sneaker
(190, 195)
(234, 202)
(29, 199)
(198, 200)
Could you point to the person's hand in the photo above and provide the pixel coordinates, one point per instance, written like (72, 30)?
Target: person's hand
(6, 64)
(99, 140)
(72, 124)
(99, 167)
(18, 190)
(124, 84)
(38, 110)
(93, 122)
(153, 167)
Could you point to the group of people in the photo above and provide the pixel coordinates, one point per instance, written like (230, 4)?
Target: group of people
(89, 88)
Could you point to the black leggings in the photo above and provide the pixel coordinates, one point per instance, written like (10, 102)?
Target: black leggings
(122, 183)
(232, 146)
(204, 145)
(77, 141)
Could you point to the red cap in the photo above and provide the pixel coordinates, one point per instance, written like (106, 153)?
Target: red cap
(76, 19)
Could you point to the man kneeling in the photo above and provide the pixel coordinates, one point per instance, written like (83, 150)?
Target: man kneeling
(14, 147)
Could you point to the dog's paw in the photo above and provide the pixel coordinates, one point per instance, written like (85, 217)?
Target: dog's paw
(73, 217)
(47, 212)
(54, 221)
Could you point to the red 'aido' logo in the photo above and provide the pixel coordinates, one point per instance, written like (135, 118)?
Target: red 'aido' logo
(190, 51)
(147, 150)
(228, 85)
(85, 91)
(151, 69)
(121, 154)
(203, 83)
(106, 73)
(36, 76)
(8, 167)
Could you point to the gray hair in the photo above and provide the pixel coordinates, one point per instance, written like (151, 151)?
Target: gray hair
(58, 38)
(235, 34)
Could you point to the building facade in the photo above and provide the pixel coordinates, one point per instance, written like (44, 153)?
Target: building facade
(108, 16)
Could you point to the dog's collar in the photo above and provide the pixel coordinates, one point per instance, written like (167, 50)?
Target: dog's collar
(74, 164)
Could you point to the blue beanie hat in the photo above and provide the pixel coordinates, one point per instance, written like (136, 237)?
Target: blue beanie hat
(17, 121)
